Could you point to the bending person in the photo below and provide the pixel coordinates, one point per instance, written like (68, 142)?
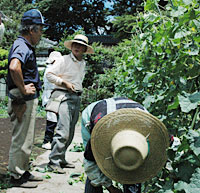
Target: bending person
(124, 143)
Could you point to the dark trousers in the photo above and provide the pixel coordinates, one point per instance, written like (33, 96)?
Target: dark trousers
(91, 189)
(135, 188)
(50, 127)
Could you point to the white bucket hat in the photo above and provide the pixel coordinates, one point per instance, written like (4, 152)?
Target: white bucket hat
(129, 145)
(81, 39)
(53, 56)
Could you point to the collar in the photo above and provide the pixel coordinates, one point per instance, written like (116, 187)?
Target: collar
(74, 58)
(25, 40)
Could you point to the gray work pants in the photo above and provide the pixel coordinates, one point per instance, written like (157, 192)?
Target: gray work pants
(22, 137)
(68, 114)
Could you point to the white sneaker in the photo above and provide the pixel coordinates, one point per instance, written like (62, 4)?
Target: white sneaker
(46, 146)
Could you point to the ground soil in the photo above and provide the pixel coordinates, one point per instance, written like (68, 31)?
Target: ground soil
(73, 181)
(5, 141)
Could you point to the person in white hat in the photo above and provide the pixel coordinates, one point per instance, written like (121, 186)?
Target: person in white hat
(67, 76)
(123, 143)
(51, 120)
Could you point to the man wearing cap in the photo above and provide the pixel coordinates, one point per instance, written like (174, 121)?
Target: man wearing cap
(67, 74)
(24, 86)
(123, 143)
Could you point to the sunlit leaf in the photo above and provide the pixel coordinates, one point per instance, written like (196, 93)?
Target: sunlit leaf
(186, 104)
(187, 2)
(174, 105)
(148, 77)
(193, 186)
(179, 12)
(182, 34)
(148, 100)
(195, 97)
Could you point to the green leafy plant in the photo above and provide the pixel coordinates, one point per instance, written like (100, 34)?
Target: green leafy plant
(3, 108)
(4, 182)
(3, 62)
(160, 69)
(76, 178)
(77, 147)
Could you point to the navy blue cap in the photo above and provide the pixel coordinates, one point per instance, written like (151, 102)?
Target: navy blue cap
(33, 16)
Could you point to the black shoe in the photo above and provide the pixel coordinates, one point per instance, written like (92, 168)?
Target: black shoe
(67, 165)
(27, 176)
(55, 169)
(22, 183)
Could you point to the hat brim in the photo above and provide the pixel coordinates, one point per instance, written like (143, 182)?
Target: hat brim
(137, 120)
(30, 22)
(68, 45)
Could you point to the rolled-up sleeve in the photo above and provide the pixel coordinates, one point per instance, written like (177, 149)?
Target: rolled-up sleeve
(95, 175)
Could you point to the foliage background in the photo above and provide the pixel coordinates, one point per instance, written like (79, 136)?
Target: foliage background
(161, 69)
(157, 63)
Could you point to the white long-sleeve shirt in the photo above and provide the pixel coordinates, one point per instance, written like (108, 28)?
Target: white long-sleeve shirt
(68, 68)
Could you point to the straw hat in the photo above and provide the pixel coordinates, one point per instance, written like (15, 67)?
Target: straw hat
(129, 145)
(53, 56)
(81, 39)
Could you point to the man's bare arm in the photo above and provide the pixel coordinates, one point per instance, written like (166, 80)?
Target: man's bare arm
(17, 76)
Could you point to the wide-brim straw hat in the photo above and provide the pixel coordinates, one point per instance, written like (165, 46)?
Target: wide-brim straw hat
(129, 145)
(81, 39)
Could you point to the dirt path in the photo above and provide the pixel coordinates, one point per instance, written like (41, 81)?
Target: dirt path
(5, 140)
(57, 183)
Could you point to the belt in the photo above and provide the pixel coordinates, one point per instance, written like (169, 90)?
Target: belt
(59, 89)
(25, 97)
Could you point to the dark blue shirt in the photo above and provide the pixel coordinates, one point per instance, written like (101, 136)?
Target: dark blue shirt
(24, 51)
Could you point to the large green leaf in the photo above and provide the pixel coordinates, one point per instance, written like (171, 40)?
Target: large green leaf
(187, 2)
(149, 76)
(186, 104)
(148, 100)
(196, 146)
(194, 138)
(184, 171)
(195, 97)
(193, 186)
(181, 34)
(179, 12)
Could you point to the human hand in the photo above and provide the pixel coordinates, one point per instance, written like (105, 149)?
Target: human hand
(113, 189)
(29, 89)
(19, 110)
(69, 86)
